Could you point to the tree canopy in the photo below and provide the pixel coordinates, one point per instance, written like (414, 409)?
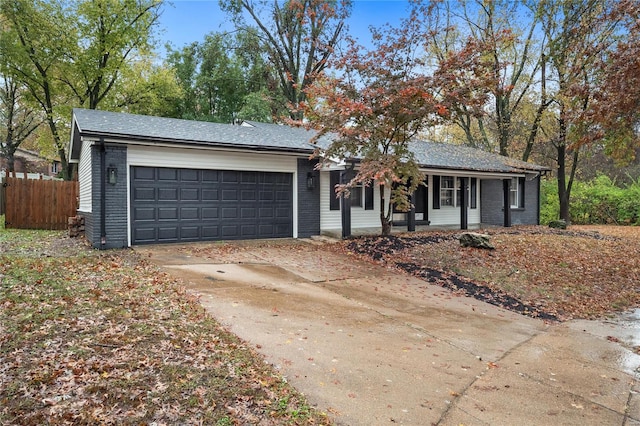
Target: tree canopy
(70, 54)
(298, 37)
(378, 100)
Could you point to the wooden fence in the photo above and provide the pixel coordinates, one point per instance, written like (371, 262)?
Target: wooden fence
(39, 204)
(3, 197)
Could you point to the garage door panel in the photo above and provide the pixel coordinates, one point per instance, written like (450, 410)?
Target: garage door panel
(144, 173)
(167, 194)
(249, 177)
(167, 213)
(189, 194)
(144, 214)
(248, 231)
(209, 175)
(144, 194)
(229, 195)
(145, 235)
(168, 174)
(229, 231)
(189, 213)
(209, 194)
(210, 232)
(190, 233)
(248, 213)
(167, 234)
(172, 205)
(282, 213)
(229, 212)
(230, 176)
(188, 175)
(249, 195)
(209, 213)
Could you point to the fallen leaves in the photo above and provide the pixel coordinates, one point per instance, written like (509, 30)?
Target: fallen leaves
(583, 272)
(91, 337)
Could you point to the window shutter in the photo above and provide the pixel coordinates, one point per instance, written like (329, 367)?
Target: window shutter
(473, 188)
(436, 192)
(334, 179)
(521, 192)
(368, 197)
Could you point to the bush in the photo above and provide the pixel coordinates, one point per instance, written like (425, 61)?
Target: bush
(549, 205)
(599, 201)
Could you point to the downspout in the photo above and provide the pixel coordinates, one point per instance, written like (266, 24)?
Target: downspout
(103, 192)
(539, 199)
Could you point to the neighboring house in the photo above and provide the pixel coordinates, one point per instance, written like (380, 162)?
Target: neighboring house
(146, 180)
(32, 163)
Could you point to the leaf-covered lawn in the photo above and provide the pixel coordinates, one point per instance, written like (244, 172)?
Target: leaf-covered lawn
(90, 337)
(583, 272)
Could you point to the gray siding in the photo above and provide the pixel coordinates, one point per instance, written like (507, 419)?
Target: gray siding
(308, 200)
(491, 203)
(116, 227)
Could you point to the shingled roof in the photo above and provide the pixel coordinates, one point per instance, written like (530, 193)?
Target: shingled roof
(132, 127)
(265, 137)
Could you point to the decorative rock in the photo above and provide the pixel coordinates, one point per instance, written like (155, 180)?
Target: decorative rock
(558, 224)
(473, 239)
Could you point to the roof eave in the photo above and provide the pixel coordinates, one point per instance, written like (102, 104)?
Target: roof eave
(186, 142)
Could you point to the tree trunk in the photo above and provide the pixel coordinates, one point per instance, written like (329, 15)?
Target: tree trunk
(563, 193)
(386, 227)
(385, 218)
(11, 162)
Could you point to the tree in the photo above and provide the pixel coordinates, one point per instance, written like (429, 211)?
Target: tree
(18, 120)
(299, 37)
(513, 56)
(577, 33)
(380, 100)
(108, 35)
(145, 87)
(72, 53)
(224, 78)
(614, 113)
(33, 45)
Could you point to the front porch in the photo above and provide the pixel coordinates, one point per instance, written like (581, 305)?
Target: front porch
(398, 229)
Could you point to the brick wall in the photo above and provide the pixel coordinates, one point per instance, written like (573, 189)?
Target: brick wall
(116, 225)
(308, 200)
(491, 203)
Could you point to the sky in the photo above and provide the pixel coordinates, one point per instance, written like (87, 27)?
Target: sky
(186, 21)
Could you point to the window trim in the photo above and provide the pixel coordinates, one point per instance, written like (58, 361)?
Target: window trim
(451, 190)
(516, 190)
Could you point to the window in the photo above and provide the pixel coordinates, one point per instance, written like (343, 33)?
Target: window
(447, 191)
(473, 193)
(356, 196)
(334, 179)
(55, 168)
(516, 195)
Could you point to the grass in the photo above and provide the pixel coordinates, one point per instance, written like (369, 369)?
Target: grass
(89, 337)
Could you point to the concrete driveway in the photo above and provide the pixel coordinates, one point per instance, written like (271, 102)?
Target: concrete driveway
(372, 346)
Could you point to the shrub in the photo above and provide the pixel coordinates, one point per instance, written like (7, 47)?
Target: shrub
(598, 201)
(549, 205)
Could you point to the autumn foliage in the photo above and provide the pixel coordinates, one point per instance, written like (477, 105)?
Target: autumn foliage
(615, 111)
(377, 100)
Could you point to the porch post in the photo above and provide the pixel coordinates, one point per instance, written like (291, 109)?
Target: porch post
(464, 190)
(411, 214)
(506, 195)
(345, 208)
